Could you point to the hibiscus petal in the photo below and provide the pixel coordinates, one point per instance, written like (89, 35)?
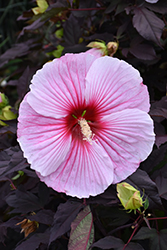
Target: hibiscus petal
(127, 136)
(87, 170)
(60, 85)
(44, 141)
(113, 85)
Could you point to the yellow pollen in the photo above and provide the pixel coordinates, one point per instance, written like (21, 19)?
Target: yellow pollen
(86, 130)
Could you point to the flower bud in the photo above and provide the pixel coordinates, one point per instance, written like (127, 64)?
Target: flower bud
(105, 50)
(6, 114)
(42, 6)
(3, 100)
(129, 196)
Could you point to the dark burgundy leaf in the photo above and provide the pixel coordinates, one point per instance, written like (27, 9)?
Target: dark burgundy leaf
(5, 225)
(132, 246)
(35, 25)
(43, 216)
(160, 132)
(72, 31)
(23, 82)
(112, 6)
(143, 52)
(155, 158)
(108, 198)
(34, 241)
(161, 185)
(141, 180)
(18, 50)
(158, 240)
(121, 7)
(63, 218)
(6, 140)
(23, 201)
(109, 242)
(43, 193)
(159, 109)
(160, 6)
(12, 127)
(160, 139)
(11, 160)
(52, 11)
(148, 24)
(116, 244)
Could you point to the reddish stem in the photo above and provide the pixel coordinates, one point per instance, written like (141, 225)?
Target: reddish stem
(138, 219)
(160, 218)
(130, 237)
(86, 9)
(12, 184)
(84, 201)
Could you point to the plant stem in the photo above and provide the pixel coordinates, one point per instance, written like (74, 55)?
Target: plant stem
(160, 218)
(130, 237)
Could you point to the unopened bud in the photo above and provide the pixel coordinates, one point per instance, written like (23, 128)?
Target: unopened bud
(129, 196)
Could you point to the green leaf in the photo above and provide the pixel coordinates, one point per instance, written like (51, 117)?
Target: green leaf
(82, 231)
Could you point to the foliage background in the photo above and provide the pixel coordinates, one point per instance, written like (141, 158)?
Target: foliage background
(27, 41)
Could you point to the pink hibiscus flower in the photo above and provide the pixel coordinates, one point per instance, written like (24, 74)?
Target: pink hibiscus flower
(84, 124)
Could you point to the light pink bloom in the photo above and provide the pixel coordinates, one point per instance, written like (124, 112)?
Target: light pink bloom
(104, 94)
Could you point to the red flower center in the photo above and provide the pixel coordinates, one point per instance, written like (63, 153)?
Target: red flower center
(89, 113)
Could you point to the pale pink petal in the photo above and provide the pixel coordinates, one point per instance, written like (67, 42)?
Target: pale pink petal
(60, 85)
(44, 141)
(87, 170)
(114, 85)
(128, 138)
(95, 52)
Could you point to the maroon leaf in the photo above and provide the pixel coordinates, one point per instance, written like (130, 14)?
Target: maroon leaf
(143, 51)
(109, 242)
(161, 139)
(43, 216)
(82, 231)
(116, 243)
(112, 6)
(160, 7)
(161, 185)
(141, 180)
(34, 241)
(35, 25)
(23, 202)
(72, 31)
(18, 50)
(11, 160)
(148, 24)
(158, 240)
(159, 109)
(65, 214)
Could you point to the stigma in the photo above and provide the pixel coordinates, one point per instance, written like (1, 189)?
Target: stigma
(86, 130)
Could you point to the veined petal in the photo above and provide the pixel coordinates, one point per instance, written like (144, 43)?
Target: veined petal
(128, 138)
(87, 170)
(113, 85)
(45, 141)
(60, 85)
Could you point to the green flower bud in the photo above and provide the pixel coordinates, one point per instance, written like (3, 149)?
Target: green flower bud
(109, 49)
(129, 196)
(6, 114)
(3, 100)
(42, 6)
